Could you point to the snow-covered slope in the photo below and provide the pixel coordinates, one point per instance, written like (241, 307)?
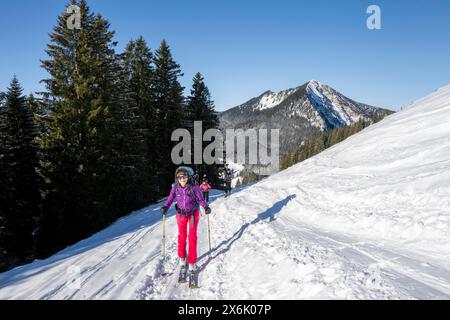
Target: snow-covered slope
(367, 219)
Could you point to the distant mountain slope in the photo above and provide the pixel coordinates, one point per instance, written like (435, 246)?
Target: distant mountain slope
(298, 113)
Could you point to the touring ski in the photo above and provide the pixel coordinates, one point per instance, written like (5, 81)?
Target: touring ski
(193, 279)
(183, 275)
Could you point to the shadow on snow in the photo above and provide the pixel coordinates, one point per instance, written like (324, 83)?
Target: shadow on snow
(225, 245)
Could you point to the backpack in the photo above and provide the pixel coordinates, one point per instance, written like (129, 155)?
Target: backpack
(190, 193)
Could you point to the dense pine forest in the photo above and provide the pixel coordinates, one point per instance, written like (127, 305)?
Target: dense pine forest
(95, 144)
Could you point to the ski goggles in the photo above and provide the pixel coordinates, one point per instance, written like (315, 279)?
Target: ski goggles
(182, 176)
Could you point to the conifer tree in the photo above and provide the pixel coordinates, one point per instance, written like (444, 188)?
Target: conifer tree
(20, 195)
(137, 63)
(82, 146)
(200, 107)
(168, 103)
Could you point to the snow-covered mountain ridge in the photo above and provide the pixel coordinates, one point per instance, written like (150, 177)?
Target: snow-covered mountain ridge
(298, 113)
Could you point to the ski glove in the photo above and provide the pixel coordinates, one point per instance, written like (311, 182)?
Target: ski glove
(207, 210)
(163, 210)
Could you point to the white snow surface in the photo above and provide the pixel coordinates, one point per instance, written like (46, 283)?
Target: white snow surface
(366, 219)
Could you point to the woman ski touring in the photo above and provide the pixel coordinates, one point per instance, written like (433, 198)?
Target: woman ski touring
(205, 187)
(188, 198)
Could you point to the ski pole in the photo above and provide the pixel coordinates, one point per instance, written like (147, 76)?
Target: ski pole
(209, 235)
(164, 237)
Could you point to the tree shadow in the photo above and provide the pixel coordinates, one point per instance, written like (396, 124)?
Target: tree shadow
(225, 245)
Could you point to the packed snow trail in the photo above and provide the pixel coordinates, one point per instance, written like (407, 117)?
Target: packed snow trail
(367, 219)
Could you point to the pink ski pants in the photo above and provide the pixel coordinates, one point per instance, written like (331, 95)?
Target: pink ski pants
(185, 223)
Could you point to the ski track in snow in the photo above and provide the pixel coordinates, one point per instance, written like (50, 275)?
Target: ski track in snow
(366, 219)
(264, 254)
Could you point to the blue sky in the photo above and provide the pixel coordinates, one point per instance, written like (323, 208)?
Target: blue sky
(246, 47)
